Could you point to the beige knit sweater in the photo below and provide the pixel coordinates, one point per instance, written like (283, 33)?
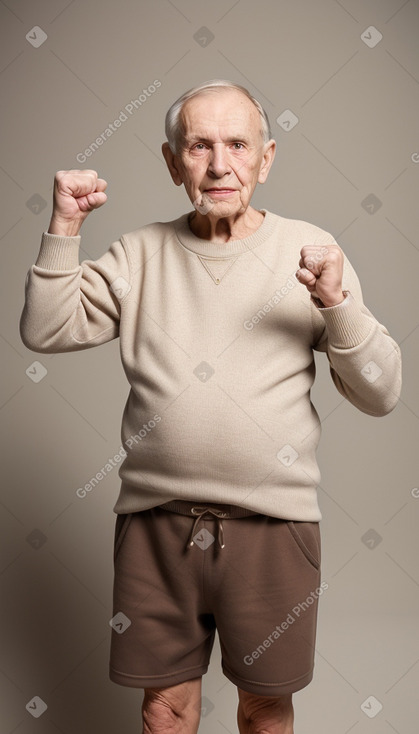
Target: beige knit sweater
(216, 341)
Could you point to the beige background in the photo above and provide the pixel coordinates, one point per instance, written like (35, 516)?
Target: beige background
(357, 135)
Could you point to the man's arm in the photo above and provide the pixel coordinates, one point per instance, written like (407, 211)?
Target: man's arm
(365, 362)
(71, 306)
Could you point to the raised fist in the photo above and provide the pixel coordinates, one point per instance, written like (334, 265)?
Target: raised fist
(76, 194)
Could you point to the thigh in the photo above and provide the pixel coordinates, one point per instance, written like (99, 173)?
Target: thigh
(161, 635)
(266, 601)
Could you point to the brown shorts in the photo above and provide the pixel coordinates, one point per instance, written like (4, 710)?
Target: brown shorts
(260, 591)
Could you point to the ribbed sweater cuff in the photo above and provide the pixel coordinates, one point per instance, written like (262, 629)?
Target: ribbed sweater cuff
(346, 325)
(58, 253)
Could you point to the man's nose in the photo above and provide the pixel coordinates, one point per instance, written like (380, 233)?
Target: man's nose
(219, 163)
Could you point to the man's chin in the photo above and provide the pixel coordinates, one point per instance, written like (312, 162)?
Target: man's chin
(206, 204)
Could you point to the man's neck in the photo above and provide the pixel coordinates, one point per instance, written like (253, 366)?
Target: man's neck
(225, 229)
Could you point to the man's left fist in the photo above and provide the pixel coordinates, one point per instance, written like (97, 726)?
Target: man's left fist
(321, 271)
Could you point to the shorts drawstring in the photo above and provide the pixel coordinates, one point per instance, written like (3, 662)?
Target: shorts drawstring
(222, 512)
(200, 512)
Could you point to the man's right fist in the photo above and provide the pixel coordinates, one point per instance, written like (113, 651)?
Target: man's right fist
(76, 194)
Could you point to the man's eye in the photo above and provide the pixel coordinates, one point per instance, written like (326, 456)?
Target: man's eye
(199, 146)
(238, 146)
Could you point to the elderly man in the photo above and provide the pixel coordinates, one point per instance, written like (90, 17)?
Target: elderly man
(218, 313)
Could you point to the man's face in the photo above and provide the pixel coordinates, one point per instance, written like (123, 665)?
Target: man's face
(221, 155)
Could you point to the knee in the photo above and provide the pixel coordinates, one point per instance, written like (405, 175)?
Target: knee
(169, 711)
(159, 718)
(265, 714)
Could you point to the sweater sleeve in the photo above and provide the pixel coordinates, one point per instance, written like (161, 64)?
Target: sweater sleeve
(71, 306)
(364, 360)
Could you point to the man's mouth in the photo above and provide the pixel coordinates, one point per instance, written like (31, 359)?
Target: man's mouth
(219, 191)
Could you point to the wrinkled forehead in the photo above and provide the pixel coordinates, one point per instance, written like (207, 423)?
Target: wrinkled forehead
(218, 114)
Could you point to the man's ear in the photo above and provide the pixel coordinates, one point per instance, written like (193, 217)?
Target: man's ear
(172, 164)
(267, 160)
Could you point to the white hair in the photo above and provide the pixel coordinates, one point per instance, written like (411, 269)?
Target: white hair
(173, 120)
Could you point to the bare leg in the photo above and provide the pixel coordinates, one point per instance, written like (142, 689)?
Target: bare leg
(265, 714)
(172, 710)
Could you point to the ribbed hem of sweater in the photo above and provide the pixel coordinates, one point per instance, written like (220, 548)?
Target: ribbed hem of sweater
(58, 253)
(285, 502)
(223, 249)
(346, 325)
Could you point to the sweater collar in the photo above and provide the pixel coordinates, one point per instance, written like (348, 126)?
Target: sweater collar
(222, 249)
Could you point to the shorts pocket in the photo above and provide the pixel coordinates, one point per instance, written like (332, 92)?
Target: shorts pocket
(121, 527)
(307, 537)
